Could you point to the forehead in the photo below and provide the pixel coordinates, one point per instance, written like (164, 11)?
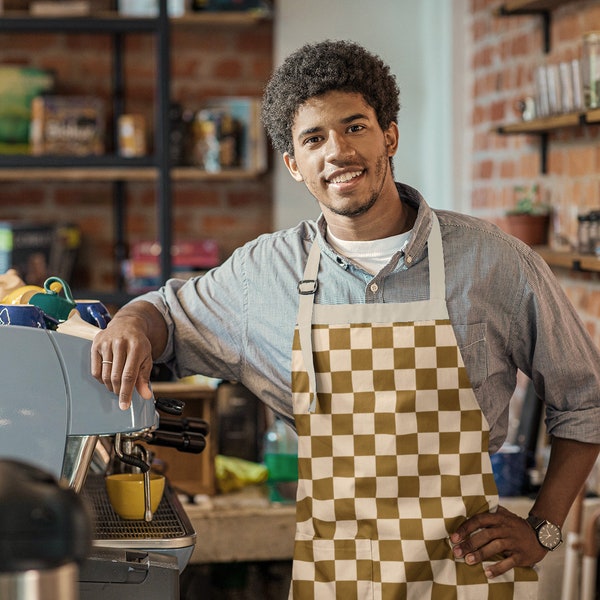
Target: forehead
(331, 105)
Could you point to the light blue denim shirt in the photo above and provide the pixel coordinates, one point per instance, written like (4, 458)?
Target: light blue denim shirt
(507, 309)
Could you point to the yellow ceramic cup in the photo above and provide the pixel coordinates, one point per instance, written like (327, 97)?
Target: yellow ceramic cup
(22, 294)
(126, 493)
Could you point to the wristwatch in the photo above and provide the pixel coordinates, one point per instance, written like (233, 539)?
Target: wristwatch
(548, 534)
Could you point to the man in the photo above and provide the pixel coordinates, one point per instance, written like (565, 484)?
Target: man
(390, 334)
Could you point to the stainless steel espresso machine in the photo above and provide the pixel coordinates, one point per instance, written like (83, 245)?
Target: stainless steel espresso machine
(55, 416)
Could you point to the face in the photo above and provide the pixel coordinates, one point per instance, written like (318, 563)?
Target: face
(342, 155)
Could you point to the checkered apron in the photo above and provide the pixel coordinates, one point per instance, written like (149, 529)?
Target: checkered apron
(392, 451)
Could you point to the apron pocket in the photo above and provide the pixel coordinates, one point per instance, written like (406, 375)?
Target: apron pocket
(326, 569)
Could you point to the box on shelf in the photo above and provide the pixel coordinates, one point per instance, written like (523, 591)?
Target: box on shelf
(39, 250)
(190, 473)
(224, 5)
(141, 271)
(18, 87)
(67, 125)
(62, 8)
(228, 133)
(149, 8)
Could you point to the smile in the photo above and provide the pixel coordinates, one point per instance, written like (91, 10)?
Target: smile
(345, 177)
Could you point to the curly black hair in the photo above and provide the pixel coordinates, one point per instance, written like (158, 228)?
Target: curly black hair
(315, 69)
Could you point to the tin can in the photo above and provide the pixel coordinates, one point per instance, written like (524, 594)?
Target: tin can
(132, 135)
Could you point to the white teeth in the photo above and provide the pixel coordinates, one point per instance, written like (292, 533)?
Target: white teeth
(345, 177)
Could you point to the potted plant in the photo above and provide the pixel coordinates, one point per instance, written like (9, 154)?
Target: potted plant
(529, 220)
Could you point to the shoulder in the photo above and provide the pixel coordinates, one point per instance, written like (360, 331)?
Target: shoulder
(473, 243)
(479, 234)
(281, 250)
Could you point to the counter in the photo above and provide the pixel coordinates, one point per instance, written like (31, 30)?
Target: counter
(243, 526)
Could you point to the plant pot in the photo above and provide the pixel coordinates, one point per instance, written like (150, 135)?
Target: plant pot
(531, 229)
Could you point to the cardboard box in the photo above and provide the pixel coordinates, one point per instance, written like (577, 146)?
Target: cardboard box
(190, 473)
(39, 250)
(67, 126)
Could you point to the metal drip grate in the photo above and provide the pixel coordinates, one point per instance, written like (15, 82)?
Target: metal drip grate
(168, 527)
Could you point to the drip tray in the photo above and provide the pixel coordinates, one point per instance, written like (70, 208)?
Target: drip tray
(169, 528)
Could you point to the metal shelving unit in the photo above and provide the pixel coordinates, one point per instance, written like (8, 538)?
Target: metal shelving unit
(112, 167)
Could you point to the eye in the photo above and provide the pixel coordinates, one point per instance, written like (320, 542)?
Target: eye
(315, 139)
(355, 128)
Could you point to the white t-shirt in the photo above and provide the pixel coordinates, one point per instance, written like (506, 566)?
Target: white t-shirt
(371, 255)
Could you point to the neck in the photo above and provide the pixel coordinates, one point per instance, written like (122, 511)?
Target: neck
(387, 217)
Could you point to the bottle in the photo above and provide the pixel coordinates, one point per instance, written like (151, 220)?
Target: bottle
(583, 234)
(280, 456)
(590, 67)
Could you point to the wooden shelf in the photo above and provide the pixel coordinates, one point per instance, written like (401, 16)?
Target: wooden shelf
(74, 174)
(545, 124)
(531, 6)
(101, 21)
(569, 260)
(231, 18)
(592, 116)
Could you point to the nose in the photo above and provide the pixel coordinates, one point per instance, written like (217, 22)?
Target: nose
(338, 147)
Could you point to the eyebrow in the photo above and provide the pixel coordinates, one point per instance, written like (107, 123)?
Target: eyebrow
(344, 121)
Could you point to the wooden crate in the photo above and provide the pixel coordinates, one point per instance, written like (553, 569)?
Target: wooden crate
(190, 473)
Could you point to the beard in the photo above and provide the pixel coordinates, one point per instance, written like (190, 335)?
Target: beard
(381, 166)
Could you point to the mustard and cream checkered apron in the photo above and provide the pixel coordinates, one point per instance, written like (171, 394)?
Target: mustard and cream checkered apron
(392, 451)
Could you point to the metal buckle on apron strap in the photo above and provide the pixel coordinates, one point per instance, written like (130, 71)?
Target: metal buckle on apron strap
(306, 291)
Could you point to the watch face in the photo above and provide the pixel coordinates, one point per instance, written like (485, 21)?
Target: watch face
(549, 536)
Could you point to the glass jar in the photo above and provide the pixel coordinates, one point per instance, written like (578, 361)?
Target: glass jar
(590, 69)
(583, 234)
(595, 232)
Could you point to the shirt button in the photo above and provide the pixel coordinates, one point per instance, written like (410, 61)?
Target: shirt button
(374, 287)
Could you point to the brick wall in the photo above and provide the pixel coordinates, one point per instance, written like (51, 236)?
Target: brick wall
(206, 61)
(504, 52)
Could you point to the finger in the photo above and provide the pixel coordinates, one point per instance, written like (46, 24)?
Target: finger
(108, 376)
(471, 525)
(96, 363)
(143, 389)
(481, 549)
(134, 377)
(500, 567)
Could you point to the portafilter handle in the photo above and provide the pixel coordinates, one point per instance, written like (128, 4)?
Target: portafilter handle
(171, 406)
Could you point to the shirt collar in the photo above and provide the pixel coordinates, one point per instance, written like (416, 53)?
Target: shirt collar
(415, 248)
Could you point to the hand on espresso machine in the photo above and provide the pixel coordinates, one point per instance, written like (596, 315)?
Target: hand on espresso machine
(122, 354)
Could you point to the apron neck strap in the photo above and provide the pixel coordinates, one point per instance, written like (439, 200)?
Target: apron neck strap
(307, 289)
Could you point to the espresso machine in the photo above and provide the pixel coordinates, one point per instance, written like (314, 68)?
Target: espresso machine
(56, 416)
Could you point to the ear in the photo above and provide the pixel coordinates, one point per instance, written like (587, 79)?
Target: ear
(391, 135)
(292, 166)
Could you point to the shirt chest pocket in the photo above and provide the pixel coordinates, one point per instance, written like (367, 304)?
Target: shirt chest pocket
(473, 348)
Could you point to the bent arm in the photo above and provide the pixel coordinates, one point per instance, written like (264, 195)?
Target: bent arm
(569, 466)
(123, 353)
(487, 534)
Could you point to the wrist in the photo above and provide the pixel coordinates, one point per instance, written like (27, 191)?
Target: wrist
(548, 534)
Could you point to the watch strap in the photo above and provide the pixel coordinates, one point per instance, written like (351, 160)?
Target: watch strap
(535, 522)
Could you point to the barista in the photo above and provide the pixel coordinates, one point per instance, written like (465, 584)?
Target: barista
(390, 335)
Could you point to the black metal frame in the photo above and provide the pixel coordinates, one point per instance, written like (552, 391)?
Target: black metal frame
(118, 28)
